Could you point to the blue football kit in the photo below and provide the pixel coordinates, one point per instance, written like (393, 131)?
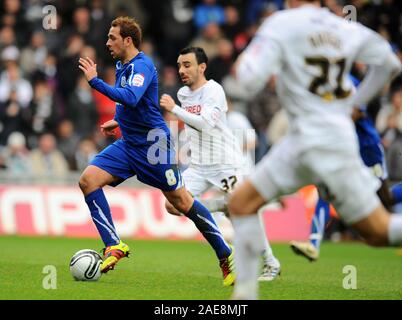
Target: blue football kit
(145, 149)
(371, 150)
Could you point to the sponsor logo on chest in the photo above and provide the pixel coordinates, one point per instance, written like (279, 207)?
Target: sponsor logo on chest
(193, 109)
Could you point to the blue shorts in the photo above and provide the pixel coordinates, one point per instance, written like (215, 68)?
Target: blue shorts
(152, 164)
(373, 157)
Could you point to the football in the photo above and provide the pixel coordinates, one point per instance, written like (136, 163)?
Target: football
(85, 265)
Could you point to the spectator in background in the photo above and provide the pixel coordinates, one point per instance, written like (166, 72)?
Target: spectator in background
(7, 37)
(147, 46)
(208, 12)
(387, 14)
(11, 117)
(82, 24)
(85, 152)
(67, 141)
(16, 156)
(46, 160)
(44, 114)
(48, 70)
(81, 109)
(33, 56)
(389, 118)
(100, 21)
(220, 66)
(171, 25)
(14, 17)
(233, 24)
(256, 7)
(67, 76)
(12, 80)
(243, 38)
(209, 39)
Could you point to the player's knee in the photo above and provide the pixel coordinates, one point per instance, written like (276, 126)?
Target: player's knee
(85, 183)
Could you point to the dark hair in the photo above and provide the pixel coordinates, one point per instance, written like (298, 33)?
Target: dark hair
(200, 54)
(129, 27)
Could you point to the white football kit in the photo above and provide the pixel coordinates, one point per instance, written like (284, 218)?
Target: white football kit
(312, 51)
(216, 158)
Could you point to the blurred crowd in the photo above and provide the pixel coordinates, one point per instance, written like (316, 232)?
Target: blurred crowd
(50, 117)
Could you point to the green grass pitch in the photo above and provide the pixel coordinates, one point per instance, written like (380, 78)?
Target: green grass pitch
(187, 270)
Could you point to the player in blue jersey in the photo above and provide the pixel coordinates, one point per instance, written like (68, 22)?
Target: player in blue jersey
(145, 149)
(372, 154)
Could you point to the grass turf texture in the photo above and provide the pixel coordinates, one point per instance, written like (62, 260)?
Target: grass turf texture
(183, 270)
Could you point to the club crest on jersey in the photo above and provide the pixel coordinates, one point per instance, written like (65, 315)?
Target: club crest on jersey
(138, 80)
(123, 81)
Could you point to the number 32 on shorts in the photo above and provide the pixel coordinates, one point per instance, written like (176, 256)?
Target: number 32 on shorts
(229, 183)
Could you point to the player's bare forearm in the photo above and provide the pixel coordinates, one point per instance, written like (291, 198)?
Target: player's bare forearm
(108, 128)
(88, 67)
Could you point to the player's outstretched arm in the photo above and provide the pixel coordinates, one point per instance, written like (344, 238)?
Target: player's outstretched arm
(196, 121)
(128, 96)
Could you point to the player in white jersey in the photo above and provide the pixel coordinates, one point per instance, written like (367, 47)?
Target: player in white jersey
(216, 157)
(311, 50)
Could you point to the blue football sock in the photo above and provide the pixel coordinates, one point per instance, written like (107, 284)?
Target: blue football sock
(102, 217)
(204, 222)
(396, 191)
(320, 220)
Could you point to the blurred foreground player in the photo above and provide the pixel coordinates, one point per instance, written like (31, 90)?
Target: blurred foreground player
(312, 51)
(372, 154)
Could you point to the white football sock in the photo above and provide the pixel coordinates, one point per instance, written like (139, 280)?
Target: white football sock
(248, 244)
(395, 230)
(268, 255)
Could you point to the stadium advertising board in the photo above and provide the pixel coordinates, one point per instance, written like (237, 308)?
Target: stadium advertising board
(138, 213)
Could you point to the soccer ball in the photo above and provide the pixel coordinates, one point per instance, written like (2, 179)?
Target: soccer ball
(85, 265)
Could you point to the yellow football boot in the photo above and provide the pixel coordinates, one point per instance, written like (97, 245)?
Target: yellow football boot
(112, 255)
(227, 267)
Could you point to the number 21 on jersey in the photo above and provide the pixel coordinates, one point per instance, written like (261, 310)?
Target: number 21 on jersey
(321, 84)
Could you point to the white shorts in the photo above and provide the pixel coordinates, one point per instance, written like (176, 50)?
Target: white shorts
(287, 168)
(197, 180)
